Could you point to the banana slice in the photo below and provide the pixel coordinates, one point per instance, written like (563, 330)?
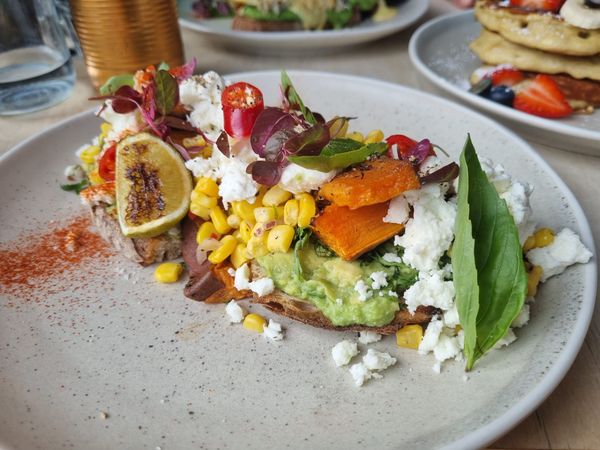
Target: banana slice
(578, 14)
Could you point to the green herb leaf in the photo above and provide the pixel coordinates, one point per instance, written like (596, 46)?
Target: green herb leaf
(487, 259)
(114, 83)
(294, 99)
(163, 66)
(75, 187)
(167, 92)
(302, 236)
(339, 154)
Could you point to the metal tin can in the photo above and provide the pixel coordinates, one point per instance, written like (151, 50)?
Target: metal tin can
(122, 36)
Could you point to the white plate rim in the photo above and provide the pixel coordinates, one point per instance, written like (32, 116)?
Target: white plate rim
(554, 126)
(367, 33)
(546, 385)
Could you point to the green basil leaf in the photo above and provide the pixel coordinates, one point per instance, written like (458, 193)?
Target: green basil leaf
(167, 92)
(302, 236)
(487, 260)
(339, 154)
(113, 83)
(75, 187)
(294, 99)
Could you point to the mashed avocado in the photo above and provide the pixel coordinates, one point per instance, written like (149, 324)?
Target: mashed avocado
(328, 283)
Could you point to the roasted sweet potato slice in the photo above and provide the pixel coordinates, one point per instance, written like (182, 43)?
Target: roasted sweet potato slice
(371, 183)
(352, 232)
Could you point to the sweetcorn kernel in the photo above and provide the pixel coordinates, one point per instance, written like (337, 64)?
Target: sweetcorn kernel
(355, 136)
(168, 272)
(257, 246)
(275, 196)
(529, 243)
(200, 211)
(244, 210)
(88, 155)
(265, 214)
(227, 247)
(280, 238)
(543, 237)
(206, 231)
(207, 186)
(374, 137)
(233, 221)
(307, 208)
(254, 322)
(409, 336)
(290, 212)
(201, 199)
(533, 280)
(245, 231)
(239, 256)
(219, 220)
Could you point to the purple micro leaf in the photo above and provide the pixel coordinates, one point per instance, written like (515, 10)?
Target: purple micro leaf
(308, 143)
(274, 148)
(148, 101)
(123, 105)
(185, 71)
(442, 175)
(419, 152)
(267, 173)
(268, 122)
(319, 117)
(223, 143)
(195, 150)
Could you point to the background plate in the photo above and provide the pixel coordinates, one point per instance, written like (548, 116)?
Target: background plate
(439, 49)
(220, 32)
(174, 373)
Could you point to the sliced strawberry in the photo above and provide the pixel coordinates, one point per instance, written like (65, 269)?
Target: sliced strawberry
(507, 76)
(539, 5)
(542, 97)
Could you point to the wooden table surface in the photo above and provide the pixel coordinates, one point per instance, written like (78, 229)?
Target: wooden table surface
(570, 417)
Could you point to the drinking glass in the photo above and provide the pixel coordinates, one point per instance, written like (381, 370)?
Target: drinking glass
(36, 70)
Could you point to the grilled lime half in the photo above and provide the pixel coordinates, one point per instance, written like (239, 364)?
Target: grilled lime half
(152, 184)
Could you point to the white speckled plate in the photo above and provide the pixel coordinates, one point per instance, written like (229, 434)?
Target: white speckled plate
(174, 374)
(220, 32)
(439, 49)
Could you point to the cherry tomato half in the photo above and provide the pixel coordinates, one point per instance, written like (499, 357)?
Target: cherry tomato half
(403, 143)
(106, 165)
(242, 103)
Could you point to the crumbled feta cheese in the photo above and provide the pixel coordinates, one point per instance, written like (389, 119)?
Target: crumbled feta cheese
(297, 179)
(235, 313)
(363, 291)
(262, 286)
(241, 279)
(75, 173)
(522, 319)
(379, 280)
(507, 339)
(273, 331)
(398, 211)
(429, 233)
(430, 290)
(368, 337)
(429, 164)
(447, 347)
(375, 360)
(393, 294)
(392, 258)
(451, 318)
(565, 250)
(231, 271)
(202, 94)
(431, 336)
(130, 122)
(343, 352)
(437, 367)
(236, 184)
(360, 373)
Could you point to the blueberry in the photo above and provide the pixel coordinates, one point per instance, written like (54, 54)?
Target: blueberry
(501, 94)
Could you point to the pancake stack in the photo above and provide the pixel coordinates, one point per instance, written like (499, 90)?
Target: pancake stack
(554, 37)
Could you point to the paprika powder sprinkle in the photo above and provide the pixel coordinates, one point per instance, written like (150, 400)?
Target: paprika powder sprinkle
(35, 258)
